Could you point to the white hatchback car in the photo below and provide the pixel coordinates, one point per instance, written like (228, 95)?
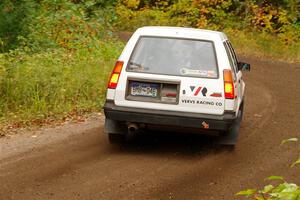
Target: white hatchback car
(179, 78)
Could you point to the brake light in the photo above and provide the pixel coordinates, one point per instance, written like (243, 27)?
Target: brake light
(115, 75)
(228, 84)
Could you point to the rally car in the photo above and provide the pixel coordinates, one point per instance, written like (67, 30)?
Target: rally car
(179, 78)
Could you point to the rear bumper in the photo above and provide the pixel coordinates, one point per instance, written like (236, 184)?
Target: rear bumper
(168, 118)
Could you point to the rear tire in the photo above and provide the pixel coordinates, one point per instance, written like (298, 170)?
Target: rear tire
(229, 138)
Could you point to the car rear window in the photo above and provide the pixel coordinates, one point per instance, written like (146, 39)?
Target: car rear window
(174, 56)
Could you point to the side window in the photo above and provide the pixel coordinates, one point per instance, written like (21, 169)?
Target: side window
(231, 60)
(234, 56)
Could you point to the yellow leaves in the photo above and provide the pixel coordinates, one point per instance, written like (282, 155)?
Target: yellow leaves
(135, 4)
(283, 17)
(269, 18)
(208, 3)
(202, 22)
(132, 4)
(161, 3)
(212, 12)
(289, 34)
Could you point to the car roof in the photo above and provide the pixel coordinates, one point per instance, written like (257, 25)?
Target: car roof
(181, 32)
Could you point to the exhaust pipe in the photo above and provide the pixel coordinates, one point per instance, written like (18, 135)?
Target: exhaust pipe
(132, 130)
(132, 127)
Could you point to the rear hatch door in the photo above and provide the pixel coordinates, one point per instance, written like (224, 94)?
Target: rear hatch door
(172, 74)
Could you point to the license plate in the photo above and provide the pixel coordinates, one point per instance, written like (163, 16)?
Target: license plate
(143, 89)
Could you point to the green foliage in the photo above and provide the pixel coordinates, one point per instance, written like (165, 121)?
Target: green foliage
(271, 17)
(15, 15)
(297, 162)
(247, 193)
(43, 24)
(280, 191)
(61, 64)
(265, 45)
(48, 84)
(183, 14)
(63, 24)
(69, 23)
(289, 140)
(213, 13)
(269, 29)
(130, 19)
(272, 178)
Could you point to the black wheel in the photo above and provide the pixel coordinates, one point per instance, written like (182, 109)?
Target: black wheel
(242, 111)
(116, 138)
(229, 138)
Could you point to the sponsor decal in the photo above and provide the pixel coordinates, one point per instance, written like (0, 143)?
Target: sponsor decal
(199, 89)
(198, 73)
(205, 125)
(200, 102)
(195, 91)
(192, 88)
(204, 91)
(216, 94)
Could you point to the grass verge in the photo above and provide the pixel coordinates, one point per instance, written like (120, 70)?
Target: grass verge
(54, 84)
(265, 46)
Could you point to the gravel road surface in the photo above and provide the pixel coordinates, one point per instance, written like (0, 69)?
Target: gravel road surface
(75, 161)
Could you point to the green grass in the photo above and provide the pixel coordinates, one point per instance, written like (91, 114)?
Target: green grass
(54, 84)
(265, 46)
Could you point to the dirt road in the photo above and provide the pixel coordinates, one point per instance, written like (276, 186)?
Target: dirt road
(77, 162)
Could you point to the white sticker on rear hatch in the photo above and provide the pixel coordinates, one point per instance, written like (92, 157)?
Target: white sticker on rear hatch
(195, 72)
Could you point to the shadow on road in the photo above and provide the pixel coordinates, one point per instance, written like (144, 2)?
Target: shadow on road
(170, 143)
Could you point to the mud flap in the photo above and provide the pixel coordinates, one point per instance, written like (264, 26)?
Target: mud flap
(231, 136)
(114, 127)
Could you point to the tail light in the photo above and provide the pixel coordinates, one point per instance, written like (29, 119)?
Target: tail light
(115, 75)
(228, 84)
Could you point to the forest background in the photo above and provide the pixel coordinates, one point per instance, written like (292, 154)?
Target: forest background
(56, 55)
